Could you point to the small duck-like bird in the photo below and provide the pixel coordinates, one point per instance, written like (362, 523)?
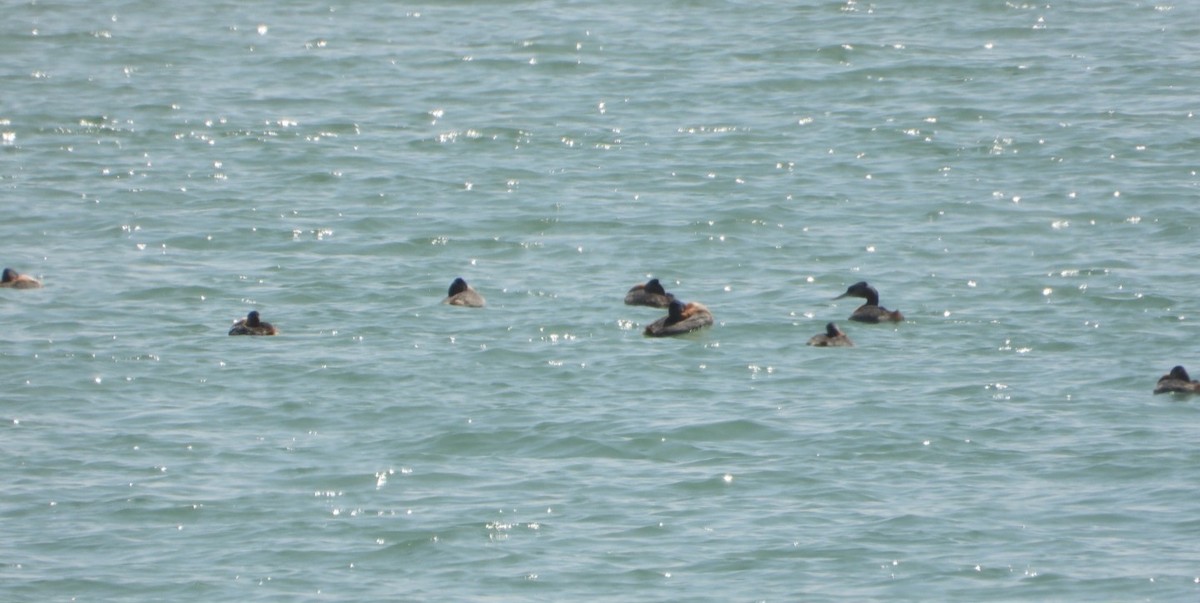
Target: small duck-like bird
(871, 311)
(833, 337)
(15, 280)
(681, 318)
(650, 294)
(1178, 382)
(252, 325)
(461, 294)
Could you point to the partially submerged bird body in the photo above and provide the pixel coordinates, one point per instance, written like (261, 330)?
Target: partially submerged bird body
(651, 294)
(252, 325)
(12, 279)
(462, 294)
(1177, 382)
(833, 337)
(681, 318)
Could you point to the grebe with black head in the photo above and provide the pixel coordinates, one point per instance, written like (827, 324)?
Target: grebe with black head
(1177, 382)
(462, 294)
(252, 325)
(681, 318)
(871, 311)
(833, 337)
(12, 279)
(649, 294)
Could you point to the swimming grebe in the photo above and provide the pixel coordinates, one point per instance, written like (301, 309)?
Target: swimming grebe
(1177, 381)
(650, 294)
(681, 318)
(461, 294)
(833, 337)
(251, 325)
(870, 311)
(15, 280)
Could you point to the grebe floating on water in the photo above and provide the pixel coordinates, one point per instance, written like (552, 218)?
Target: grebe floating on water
(1177, 381)
(681, 318)
(461, 294)
(870, 311)
(650, 294)
(251, 325)
(833, 337)
(15, 280)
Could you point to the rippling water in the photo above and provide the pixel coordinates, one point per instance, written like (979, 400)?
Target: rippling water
(1019, 179)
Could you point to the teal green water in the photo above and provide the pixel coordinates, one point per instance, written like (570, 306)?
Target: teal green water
(1019, 179)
